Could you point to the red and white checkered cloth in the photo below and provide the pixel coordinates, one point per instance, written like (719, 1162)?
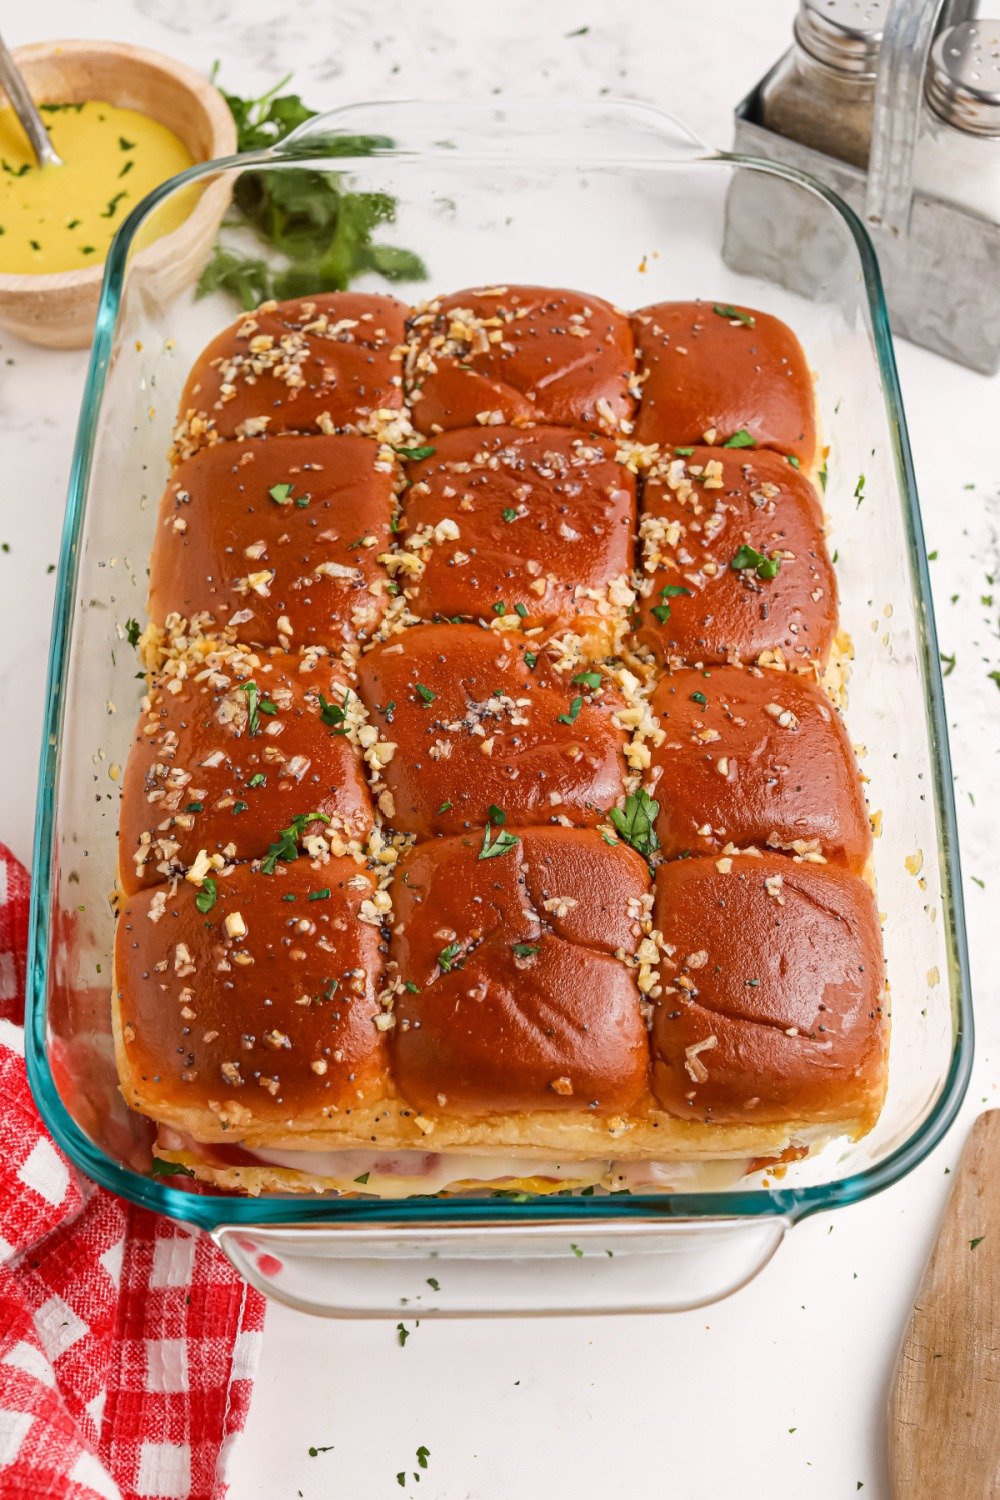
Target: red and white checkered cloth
(127, 1344)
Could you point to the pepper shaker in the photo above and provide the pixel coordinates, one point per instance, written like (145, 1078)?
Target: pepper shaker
(958, 150)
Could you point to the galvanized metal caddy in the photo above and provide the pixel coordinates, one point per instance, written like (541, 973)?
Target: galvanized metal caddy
(940, 263)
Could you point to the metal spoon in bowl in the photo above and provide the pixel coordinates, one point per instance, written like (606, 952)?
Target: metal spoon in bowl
(24, 107)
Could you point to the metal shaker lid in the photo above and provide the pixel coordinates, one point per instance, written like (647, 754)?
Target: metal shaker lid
(963, 79)
(844, 34)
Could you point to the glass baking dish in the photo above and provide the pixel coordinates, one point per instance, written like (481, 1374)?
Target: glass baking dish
(614, 199)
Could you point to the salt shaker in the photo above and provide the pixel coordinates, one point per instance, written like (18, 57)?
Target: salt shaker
(958, 151)
(822, 92)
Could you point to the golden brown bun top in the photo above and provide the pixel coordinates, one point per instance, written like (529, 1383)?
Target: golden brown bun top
(225, 762)
(481, 718)
(511, 996)
(520, 354)
(733, 543)
(706, 370)
(279, 540)
(755, 757)
(311, 364)
(772, 998)
(543, 520)
(261, 1007)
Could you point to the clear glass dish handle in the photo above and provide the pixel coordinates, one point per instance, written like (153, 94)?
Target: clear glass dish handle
(405, 1271)
(606, 130)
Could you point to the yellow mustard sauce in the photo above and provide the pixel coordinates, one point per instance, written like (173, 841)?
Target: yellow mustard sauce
(63, 218)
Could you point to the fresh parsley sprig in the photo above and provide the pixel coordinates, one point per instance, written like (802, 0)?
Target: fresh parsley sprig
(318, 234)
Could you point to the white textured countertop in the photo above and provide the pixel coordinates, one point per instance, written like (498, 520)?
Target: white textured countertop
(779, 1392)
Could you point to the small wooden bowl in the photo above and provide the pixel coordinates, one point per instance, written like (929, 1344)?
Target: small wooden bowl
(58, 309)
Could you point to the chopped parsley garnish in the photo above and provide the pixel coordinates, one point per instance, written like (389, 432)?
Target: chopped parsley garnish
(286, 845)
(423, 1454)
(424, 451)
(496, 815)
(740, 439)
(637, 823)
(323, 895)
(762, 565)
(500, 608)
(239, 807)
(334, 714)
(493, 847)
(791, 459)
(977, 1241)
(205, 899)
(447, 957)
(161, 1168)
(859, 490)
(521, 610)
(571, 716)
(258, 779)
(363, 1178)
(425, 692)
(530, 658)
(668, 591)
(125, 145)
(823, 476)
(195, 807)
(314, 1452)
(257, 704)
(446, 807)
(109, 212)
(433, 1283)
(684, 452)
(509, 513)
(734, 315)
(948, 662)
(126, 169)
(281, 494)
(133, 631)
(699, 698)
(413, 989)
(588, 679)
(526, 950)
(403, 1333)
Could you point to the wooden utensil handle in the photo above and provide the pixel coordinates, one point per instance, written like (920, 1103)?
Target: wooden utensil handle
(944, 1405)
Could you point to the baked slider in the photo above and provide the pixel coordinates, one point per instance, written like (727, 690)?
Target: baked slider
(228, 754)
(537, 521)
(251, 1009)
(772, 1005)
(513, 992)
(327, 363)
(278, 542)
(752, 756)
(733, 561)
(715, 373)
(520, 355)
(481, 719)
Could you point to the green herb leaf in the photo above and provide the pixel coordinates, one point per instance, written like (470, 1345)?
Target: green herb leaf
(500, 608)
(859, 490)
(574, 709)
(509, 513)
(286, 845)
(433, 1283)
(530, 658)
(424, 451)
(403, 1333)
(446, 807)
(253, 706)
(588, 679)
(161, 1168)
(699, 698)
(791, 459)
(423, 1454)
(741, 439)
(447, 957)
(521, 610)
(977, 1241)
(763, 566)
(319, 236)
(734, 315)
(684, 452)
(205, 899)
(195, 807)
(526, 950)
(334, 714)
(503, 843)
(496, 815)
(323, 895)
(637, 823)
(823, 476)
(258, 779)
(668, 591)
(281, 494)
(133, 631)
(425, 692)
